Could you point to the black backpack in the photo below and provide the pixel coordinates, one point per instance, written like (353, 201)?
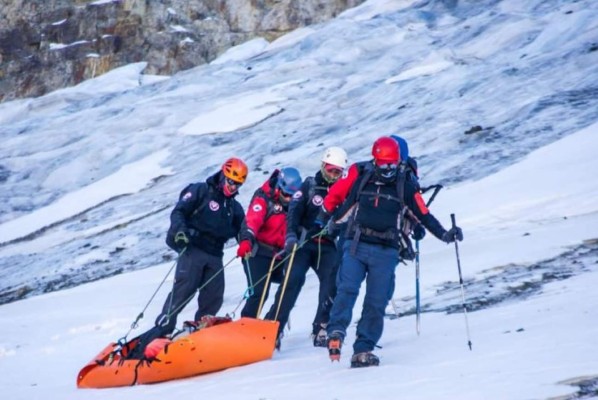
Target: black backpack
(407, 219)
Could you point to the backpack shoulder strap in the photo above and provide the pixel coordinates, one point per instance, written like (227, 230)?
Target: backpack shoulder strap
(366, 171)
(310, 181)
(203, 193)
(313, 186)
(401, 177)
(269, 202)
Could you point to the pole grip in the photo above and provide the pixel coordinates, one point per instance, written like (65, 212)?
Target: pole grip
(453, 220)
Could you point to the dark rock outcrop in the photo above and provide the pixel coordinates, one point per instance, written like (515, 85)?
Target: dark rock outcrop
(50, 44)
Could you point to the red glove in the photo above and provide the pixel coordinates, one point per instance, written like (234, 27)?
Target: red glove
(244, 249)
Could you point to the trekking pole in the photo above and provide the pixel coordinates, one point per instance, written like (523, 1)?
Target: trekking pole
(286, 280)
(461, 283)
(417, 294)
(417, 300)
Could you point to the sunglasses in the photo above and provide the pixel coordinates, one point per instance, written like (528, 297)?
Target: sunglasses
(230, 182)
(333, 170)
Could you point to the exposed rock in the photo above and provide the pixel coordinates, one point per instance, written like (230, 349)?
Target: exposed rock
(50, 44)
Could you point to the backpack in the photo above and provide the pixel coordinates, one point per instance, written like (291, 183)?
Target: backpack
(271, 205)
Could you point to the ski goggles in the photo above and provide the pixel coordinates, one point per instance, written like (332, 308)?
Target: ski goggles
(230, 182)
(333, 170)
(387, 166)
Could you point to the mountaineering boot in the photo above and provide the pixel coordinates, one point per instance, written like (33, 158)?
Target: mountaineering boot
(335, 341)
(319, 335)
(366, 359)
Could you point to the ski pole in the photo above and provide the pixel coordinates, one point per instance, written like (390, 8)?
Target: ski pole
(417, 295)
(461, 283)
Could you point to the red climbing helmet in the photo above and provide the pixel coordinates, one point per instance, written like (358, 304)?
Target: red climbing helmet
(385, 151)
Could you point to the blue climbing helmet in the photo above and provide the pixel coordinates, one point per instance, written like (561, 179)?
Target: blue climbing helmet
(289, 181)
(403, 147)
(405, 159)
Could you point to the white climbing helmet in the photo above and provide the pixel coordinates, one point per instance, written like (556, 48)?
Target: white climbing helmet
(335, 156)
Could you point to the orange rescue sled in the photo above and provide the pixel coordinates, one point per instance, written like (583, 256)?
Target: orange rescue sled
(209, 349)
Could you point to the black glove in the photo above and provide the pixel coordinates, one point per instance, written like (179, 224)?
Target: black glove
(181, 240)
(290, 242)
(455, 233)
(419, 232)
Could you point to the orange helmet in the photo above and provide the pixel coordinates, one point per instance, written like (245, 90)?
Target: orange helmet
(385, 151)
(235, 169)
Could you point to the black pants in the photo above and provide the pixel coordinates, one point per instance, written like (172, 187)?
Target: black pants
(323, 258)
(256, 269)
(194, 268)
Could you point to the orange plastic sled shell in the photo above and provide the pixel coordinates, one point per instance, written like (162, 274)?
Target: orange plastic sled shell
(209, 349)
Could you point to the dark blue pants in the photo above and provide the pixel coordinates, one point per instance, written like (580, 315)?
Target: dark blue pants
(256, 270)
(322, 257)
(194, 268)
(376, 265)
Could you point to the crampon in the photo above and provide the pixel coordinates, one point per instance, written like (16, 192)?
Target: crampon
(335, 343)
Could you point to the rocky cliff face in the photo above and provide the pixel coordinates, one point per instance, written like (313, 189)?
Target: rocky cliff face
(49, 44)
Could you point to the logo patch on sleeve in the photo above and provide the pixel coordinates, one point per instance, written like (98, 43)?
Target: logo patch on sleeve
(257, 208)
(187, 196)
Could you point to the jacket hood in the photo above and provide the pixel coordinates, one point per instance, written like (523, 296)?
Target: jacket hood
(269, 187)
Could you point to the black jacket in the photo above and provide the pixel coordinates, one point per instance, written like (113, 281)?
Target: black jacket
(306, 205)
(208, 217)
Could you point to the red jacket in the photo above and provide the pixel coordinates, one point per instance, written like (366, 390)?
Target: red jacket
(265, 221)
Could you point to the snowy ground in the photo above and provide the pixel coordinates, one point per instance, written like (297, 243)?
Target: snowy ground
(89, 175)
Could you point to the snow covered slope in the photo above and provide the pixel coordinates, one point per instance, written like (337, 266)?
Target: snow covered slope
(89, 175)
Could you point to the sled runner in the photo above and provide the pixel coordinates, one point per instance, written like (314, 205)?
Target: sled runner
(213, 348)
